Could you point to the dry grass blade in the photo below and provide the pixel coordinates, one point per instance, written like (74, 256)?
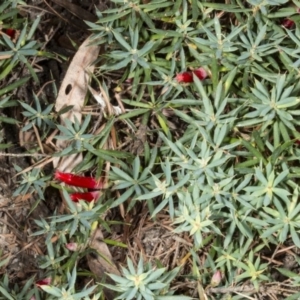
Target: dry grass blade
(76, 10)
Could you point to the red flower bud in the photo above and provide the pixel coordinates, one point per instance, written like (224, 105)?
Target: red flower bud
(288, 23)
(80, 181)
(185, 77)
(45, 281)
(71, 246)
(200, 73)
(216, 279)
(10, 32)
(88, 196)
(188, 76)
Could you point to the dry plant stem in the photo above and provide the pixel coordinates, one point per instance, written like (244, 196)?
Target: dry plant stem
(51, 137)
(132, 253)
(245, 296)
(285, 249)
(76, 10)
(140, 246)
(274, 288)
(38, 138)
(5, 56)
(23, 8)
(44, 85)
(107, 101)
(181, 240)
(107, 169)
(31, 244)
(275, 252)
(100, 129)
(120, 103)
(270, 260)
(4, 170)
(39, 164)
(7, 212)
(113, 137)
(55, 12)
(12, 228)
(176, 254)
(25, 155)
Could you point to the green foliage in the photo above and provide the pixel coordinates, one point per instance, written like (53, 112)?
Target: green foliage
(79, 220)
(275, 111)
(227, 173)
(19, 50)
(31, 182)
(74, 133)
(133, 179)
(38, 117)
(67, 291)
(15, 292)
(144, 282)
(253, 269)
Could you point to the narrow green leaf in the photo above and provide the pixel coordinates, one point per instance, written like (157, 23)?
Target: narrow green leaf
(255, 152)
(133, 113)
(121, 40)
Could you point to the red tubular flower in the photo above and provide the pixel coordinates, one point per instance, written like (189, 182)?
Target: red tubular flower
(45, 281)
(288, 23)
(88, 196)
(80, 181)
(188, 76)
